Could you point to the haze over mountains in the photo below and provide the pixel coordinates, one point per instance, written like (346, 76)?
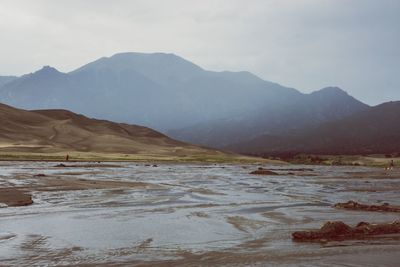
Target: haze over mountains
(291, 113)
(177, 97)
(162, 91)
(375, 130)
(6, 79)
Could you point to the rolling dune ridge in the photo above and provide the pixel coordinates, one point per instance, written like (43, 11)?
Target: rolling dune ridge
(62, 131)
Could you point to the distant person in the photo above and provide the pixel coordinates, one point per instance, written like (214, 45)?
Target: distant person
(391, 166)
(67, 157)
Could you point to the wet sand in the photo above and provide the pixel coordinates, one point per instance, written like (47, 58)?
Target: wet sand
(190, 215)
(14, 197)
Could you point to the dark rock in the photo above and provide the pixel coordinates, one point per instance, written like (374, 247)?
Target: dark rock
(262, 171)
(340, 231)
(335, 228)
(61, 165)
(353, 205)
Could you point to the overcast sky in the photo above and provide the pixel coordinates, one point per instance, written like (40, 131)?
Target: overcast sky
(305, 44)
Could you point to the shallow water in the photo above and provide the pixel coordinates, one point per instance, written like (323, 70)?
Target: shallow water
(194, 215)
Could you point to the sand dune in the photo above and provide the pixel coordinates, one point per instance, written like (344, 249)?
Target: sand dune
(53, 131)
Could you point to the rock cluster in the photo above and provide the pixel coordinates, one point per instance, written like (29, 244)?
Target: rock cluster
(338, 230)
(352, 205)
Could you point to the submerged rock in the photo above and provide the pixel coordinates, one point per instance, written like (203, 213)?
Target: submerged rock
(352, 205)
(61, 165)
(338, 230)
(262, 171)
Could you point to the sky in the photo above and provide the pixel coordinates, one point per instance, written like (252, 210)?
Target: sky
(304, 44)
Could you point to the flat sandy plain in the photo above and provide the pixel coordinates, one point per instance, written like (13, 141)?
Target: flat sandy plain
(137, 214)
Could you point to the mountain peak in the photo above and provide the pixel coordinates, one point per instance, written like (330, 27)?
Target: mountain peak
(138, 54)
(331, 96)
(47, 70)
(159, 67)
(332, 90)
(157, 59)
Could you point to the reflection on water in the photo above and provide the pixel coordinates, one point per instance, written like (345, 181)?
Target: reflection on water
(192, 214)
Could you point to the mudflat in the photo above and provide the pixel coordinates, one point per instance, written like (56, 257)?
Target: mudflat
(169, 214)
(14, 197)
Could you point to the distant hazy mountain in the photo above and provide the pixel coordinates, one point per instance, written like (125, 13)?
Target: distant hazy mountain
(175, 96)
(162, 91)
(374, 130)
(285, 115)
(6, 79)
(48, 131)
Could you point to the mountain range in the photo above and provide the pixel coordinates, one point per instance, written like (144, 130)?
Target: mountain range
(178, 98)
(375, 130)
(293, 112)
(6, 79)
(161, 91)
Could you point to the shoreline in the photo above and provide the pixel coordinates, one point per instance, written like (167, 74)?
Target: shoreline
(181, 160)
(93, 158)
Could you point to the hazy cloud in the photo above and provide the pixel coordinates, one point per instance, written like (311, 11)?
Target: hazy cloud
(305, 44)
